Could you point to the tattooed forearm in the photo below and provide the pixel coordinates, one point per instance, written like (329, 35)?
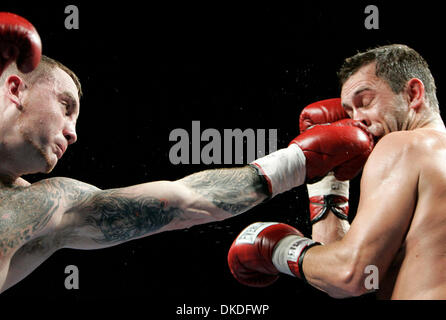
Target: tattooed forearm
(116, 216)
(119, 217)
(233, 190)
(86, 216)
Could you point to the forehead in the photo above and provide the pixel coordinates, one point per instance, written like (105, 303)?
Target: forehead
(364, 77)
(63, 81)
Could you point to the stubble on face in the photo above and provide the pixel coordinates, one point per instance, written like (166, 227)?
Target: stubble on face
(390, 112)
(38, 148)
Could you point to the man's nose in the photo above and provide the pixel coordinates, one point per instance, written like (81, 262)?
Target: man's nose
(70, 133)
(360, 116)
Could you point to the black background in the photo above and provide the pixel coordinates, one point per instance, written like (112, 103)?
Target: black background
(148, 69)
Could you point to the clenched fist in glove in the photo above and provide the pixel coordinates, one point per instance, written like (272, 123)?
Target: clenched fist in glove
(264, 249)
(341, 147)
(330, 193)
(321, 112)
(20, 42)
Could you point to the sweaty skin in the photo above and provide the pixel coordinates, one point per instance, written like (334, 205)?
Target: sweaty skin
(400, 225)
(424, 246)
(41, 218)
(37, 124)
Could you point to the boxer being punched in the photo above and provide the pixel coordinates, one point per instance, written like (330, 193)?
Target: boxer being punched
(400, 224)
(39, 107)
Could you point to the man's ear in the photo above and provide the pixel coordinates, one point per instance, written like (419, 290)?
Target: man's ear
(15, 86)
(415, 93)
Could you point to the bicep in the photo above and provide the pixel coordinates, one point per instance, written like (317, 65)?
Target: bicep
(109, 217)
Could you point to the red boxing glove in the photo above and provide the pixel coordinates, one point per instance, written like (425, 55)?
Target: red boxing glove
(20, 42)
(329, 194)
(263, 250)
(342, 147)
(321, 112)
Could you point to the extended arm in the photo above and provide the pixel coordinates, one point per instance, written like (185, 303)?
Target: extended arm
(104, 218)
(61, 212)
(101, 218)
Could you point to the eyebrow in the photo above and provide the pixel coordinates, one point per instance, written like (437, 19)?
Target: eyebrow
(70, 98)
(359, 91)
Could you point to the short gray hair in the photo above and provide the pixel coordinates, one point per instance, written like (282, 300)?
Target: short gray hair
(396, 64)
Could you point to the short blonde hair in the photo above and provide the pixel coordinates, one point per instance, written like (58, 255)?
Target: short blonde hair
(44, 69)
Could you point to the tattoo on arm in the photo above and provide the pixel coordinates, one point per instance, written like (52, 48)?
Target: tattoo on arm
(233, 190)
(24, 211)
(119, 217)
(114, 216)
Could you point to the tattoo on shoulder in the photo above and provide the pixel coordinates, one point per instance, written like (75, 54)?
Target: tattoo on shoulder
(233, 190)
(24, 211)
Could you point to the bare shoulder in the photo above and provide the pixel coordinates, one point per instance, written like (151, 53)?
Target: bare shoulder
(30, 216)
(27, 211)
(399, 141)
(412, 141)
(399, 154)
(403, 146)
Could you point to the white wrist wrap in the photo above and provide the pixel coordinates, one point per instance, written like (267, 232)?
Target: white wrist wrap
(250, 233)
(329, 185)
(284, 169)
(289, 249)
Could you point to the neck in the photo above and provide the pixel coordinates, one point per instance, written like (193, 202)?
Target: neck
(436, 123)
(417, 120)
(7, 176)
(11, 160)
